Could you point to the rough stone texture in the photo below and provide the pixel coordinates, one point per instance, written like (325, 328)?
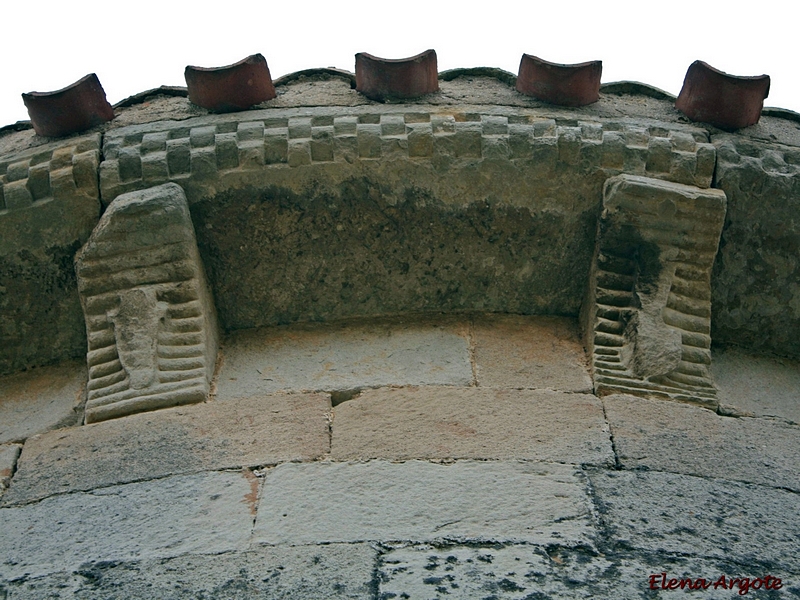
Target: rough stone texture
(758, 385)
(345, 356)
(283, 573)
(41, 399)
(522, 352)
(253, 432)
(49, 203)
(422, 501)
(206, 513)
(756, 282)
(406, 423)
(667, 436)
(666, 512)
(149, 315)
(376, 210)
(8, 462)
(526, 572)
(647, 315)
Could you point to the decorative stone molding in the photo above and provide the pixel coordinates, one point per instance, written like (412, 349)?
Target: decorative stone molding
(54, 171)
(150, 319)
(206, 148)
(647, 318)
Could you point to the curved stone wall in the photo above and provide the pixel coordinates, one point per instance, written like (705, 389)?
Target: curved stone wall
(321, 204)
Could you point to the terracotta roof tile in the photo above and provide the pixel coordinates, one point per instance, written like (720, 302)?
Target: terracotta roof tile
(75, 108)
(235, 87)
(565, 85)
(727, 101)
(381, 78)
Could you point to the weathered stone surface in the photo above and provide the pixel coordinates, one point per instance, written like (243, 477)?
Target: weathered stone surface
(758, 385)
(285, 572)
(345, 356)
(666, 512)
(756, 281)
(241, 433)
(667, 436)
(206, 513)
(8, 462)
(149, 315)
(422, 501)
(396, 209)
(527, 572)
(444, 422)
(530, 352)
(41, 399)
(647, 315)
(49, 203)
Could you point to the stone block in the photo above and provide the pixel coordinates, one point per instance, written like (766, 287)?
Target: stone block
(421, 501)
(203, 513)
(16, 195)
(467, 139)
(204, 163)
(750, 384)
(150, 320)
(691, 516)
(335, 571)
(227, 151)
(322, 143)
(530, 352)
(648, 307)
(203, 136)
(276, 146)
(668, 436)
(393, 125)
(253, 432)
(155, 168)
(447, 422)
(154, 142)
(179, 157)
(41, 399)
(344, 357)
(524, 572)
(299, 128)
(369, 140)
(299, 152)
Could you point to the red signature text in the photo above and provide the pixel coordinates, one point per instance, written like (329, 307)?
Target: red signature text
(743, 584)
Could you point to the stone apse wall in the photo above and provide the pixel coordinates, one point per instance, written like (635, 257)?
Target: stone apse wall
(138, 243)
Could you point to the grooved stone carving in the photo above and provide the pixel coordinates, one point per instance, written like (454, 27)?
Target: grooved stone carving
(648, 313)
(150, 319)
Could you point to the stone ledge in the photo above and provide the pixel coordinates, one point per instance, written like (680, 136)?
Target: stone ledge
(241, 433)
(679, 438)
(438, 423)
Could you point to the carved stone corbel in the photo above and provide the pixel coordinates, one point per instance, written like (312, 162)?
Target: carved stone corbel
(150, 319)
(647, 318)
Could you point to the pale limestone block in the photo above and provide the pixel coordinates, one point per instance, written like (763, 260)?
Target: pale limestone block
(212, 436)
(447, 422)
(513, 351)
(421, 501)
(41, 399)
(202, 513)
(345, 356)
(668, 436)
(679, 514)
(150, 320)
